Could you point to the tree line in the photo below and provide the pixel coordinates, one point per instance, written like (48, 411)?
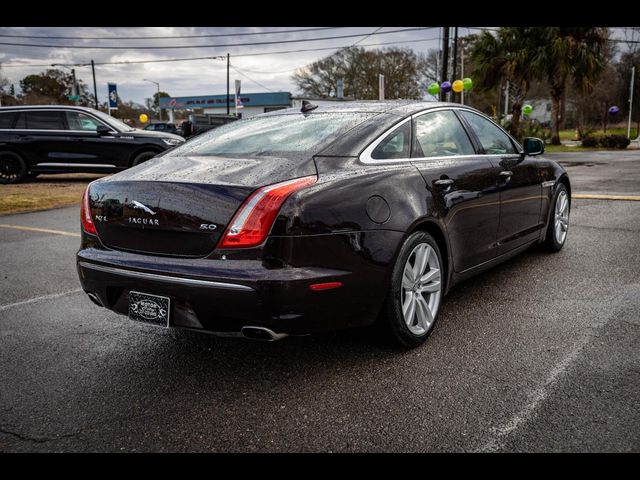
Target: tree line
(577, 66)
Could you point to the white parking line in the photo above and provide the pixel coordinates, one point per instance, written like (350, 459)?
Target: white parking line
(536, 398)
(37, 299)
(43, 230)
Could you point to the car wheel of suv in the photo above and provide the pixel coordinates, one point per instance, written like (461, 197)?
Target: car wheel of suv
(416, 290)
(142, 157)
(12, 167)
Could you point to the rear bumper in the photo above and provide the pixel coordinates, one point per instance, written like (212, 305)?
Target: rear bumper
(222, 296)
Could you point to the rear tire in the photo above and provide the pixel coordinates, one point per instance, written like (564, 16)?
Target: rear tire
(558, 227)
(415, 293)
(142, 157)
(13, 168)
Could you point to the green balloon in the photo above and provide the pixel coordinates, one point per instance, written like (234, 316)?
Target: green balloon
(467, 83)
(433, 88)
(527, 109)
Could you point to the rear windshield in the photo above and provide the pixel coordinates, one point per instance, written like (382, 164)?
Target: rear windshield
(272, 134)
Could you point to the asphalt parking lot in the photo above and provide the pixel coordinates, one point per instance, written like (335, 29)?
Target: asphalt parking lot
(541, 353)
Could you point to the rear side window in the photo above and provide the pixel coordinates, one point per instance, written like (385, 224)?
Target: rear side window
(44, 120)
(396, 145)
(273, 134)
(493, 140)
(6, 119)
(440, 134)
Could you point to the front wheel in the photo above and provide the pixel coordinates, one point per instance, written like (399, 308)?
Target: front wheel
(415, 293)
(12, 167)
(559, 221)
(142, 157)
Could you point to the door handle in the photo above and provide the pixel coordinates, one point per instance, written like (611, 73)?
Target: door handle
(506, 173)
(444, 182)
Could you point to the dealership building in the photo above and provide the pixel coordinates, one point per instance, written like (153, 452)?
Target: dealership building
(252, 103)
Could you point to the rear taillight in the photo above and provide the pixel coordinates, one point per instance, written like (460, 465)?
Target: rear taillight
(253, 221)
(85, 214)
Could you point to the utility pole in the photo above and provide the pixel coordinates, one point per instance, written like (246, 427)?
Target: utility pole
(95, 88)
(462, 72)
(633, 74)
(455, 57)
(445, 60)
(227, 84)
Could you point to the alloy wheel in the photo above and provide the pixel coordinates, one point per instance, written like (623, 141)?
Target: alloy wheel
(561, 217)
(421, 289)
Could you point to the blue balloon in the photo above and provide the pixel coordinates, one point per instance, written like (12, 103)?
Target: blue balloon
(613, 110)
(445, 86)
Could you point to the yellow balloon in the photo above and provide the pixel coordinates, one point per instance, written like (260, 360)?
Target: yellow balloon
(457, 86)
(144, 118)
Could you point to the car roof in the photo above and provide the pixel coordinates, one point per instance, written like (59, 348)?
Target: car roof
(47, 107)
(396, 107)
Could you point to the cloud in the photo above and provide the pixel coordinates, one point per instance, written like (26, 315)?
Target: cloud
(199, 77)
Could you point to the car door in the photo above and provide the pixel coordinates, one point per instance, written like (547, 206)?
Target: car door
(42, 137)
(462, 183)
(519, 182)
(90, 150)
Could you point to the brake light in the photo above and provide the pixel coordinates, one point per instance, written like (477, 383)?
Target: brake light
(253, 221)
(85, 214)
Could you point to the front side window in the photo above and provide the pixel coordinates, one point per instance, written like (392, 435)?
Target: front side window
(493, 140)
(44, 120)
(80, 121)
(396, 145)
(440, 134)
(272, 134)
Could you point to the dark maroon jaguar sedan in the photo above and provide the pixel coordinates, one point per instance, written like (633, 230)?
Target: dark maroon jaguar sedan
(300, 221)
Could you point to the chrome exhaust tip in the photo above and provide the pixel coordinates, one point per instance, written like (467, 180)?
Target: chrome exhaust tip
(94, 298)
(261, 333)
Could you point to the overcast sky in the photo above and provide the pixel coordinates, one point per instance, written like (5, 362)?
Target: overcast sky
(198, 77)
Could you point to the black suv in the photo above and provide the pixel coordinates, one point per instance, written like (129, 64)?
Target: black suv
(62, 139)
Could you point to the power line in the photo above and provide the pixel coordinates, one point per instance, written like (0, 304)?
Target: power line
(164, 37)
(132, 62)
(251, 79)
(148, 47)
(364, 38)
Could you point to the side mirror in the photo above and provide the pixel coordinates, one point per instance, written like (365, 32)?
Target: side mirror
(102, 130)
(533, 146)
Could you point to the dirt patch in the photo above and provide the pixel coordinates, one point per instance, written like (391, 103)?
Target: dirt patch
(44, 192)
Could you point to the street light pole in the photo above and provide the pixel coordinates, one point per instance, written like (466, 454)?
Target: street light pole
(227, 84)
(157, 85)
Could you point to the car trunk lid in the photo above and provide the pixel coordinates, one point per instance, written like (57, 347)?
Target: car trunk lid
(180, 206)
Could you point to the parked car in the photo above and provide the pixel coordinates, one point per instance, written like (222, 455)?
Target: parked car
(162, 127)
(294, 222)
(62, 139)
(201, 123)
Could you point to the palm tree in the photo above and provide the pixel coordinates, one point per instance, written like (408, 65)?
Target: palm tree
(505, 56)
(562, 53)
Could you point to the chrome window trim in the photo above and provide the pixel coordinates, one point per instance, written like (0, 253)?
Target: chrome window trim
(63, 110)
(366, 158)
(79, 165)
(165, 278)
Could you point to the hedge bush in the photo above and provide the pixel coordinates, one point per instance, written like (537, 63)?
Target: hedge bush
(606, 141)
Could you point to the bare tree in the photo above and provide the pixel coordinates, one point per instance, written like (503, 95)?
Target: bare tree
(359, 68)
